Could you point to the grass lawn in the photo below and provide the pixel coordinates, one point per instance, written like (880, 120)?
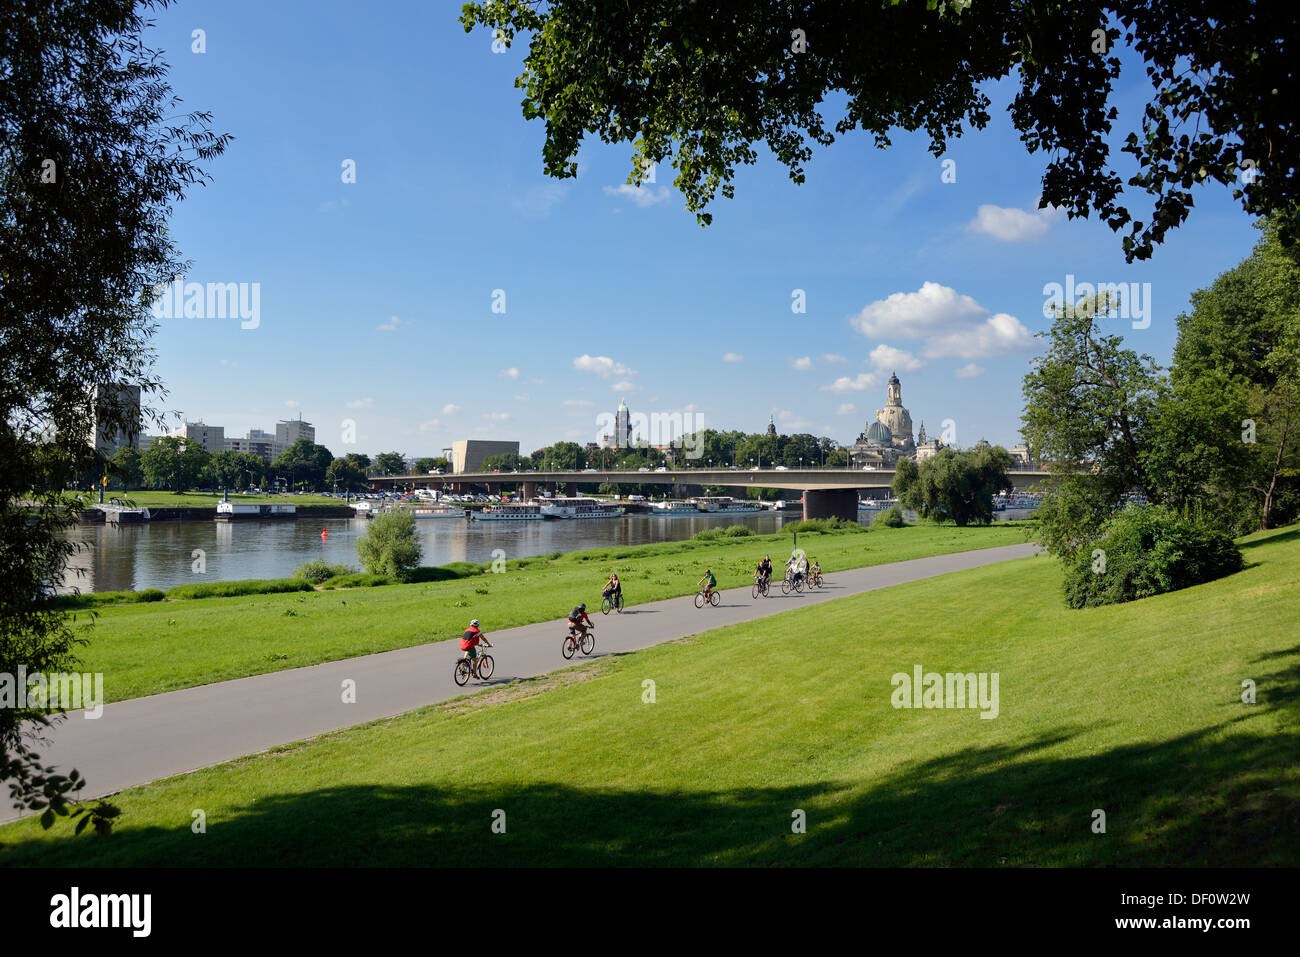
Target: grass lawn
(152, 498)
(161, 646)
(1134, 709)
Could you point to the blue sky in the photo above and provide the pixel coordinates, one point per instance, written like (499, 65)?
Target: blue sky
(376, 296)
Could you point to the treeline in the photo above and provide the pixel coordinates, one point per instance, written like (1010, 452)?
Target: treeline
(176, 464)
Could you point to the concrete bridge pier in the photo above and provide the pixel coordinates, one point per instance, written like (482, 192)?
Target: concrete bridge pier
(530, 491)
(831, 503)
(570, 489)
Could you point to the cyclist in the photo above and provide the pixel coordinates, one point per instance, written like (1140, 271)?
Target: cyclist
(793, 569)
(469, 643)
(816, 571)
(758, 573)
(766, 567)
(580, 621)
(614, 587)
(709, 583)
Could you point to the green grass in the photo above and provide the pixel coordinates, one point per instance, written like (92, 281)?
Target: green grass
(146, 649)
(1132, 709)
(152, 498)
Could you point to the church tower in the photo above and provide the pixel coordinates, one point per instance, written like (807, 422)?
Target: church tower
(771, 427)
(895, 417)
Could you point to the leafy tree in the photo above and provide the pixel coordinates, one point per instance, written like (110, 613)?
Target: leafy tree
(1091, 408)
(801, 446)
(345, 474)
(390, 463)
(172, 462)
(431, 464)
(390, 546)
(93, 153)
(224, 468)
(304, 461)
(956, 485)
(361, 460)
(702, 85)
(125, 467)
(506, 462)
(563, 456)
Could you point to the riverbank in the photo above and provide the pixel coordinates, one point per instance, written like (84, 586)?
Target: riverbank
(146, 648)
(1134, 709)
(190, 513)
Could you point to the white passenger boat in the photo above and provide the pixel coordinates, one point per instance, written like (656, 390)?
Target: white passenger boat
(440, 511)
(726, 505)
(365, 509)
(240, 511)
(674, 508)
(579, 508)
(508, 512)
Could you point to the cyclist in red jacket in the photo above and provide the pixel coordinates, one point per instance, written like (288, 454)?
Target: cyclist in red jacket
(580, 621)
(469, 642)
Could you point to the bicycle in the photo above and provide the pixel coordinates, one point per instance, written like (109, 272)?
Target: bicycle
(572, 643)
(612, 602)
(815, 580)
(792, 582)
(761, 586)
(713, 598)
(480, 668)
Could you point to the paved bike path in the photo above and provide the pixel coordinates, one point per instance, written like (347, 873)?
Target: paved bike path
(145, 739)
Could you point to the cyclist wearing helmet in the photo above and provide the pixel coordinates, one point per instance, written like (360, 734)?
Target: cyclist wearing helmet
(580, 621)
(469, 641)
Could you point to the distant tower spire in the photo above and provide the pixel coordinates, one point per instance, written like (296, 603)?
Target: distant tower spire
(771, 425)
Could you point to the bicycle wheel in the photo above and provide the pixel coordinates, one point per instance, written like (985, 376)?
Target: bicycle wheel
(588, 643)
(798, 585)
(757, 591)
(618, 605)
(714, 598)
(570, 646)
(785, 586)
(486, 665)
(604, 606)
(699, 599)
(462, 672)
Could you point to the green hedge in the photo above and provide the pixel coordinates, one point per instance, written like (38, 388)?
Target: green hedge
(358, 580)
(94, 599)
(730, 531)
(1145, 551)
(822, 525)
(250, 586)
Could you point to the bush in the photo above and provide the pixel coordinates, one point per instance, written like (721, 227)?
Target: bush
(1146, 551)
(738, 531)
(318, 570)
(357, 580)
(822, 525)
(95, 599)
(251, 586)
(891, 517)
(390, 546)
(442, 573)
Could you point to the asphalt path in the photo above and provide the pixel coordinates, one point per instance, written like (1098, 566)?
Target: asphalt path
(145, 739)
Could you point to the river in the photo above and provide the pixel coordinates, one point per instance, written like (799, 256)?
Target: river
(163, 554)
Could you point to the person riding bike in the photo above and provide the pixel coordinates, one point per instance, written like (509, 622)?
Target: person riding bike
(614, 587)
(793, 571)
(816, 571)
(709, 583)
(580, 621)
(470, 640)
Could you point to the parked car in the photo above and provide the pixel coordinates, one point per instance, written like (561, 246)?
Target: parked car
(782, 468)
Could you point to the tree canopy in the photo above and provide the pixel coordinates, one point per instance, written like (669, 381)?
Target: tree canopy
(702, 84)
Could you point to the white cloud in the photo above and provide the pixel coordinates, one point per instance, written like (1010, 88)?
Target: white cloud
(846, 408)
(450, 409)
(912, 315)
(998, 335)
(1013, 225)
(603, 366)
(521, 396)
(643, 195)
(537, 202)
(733, 357)
(229, 362)
(887, 357)
(625, 386)
(832, 357)
(496, 416)
(970, 371)
(292, 403)
(511, 373)
(790, 420)
(951, 325)
(803, 364)
(581, 403)
(365, 403)
(863, 380)
(389, 326)
(428, 425)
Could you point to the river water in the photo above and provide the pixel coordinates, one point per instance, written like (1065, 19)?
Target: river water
(162, 554)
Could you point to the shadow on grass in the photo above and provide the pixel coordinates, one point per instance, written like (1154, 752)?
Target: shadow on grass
(1280, 536)
(1223, 796)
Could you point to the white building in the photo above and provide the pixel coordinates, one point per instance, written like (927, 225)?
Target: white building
(212, 438)
(289, 431)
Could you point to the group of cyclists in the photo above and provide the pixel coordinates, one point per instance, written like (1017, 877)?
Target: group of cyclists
(798, 568)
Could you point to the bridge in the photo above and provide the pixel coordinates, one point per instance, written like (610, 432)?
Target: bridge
(827, 492)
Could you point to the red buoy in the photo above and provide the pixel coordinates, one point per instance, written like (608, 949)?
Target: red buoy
(324, 534)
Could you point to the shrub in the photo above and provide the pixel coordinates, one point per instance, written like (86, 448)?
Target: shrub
(738, 531)
(1146, 551)
(318, 570)
(822, 525)
(251, 586)
(390, 546)
(891, 517)
(95, 599)
(357, 580)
